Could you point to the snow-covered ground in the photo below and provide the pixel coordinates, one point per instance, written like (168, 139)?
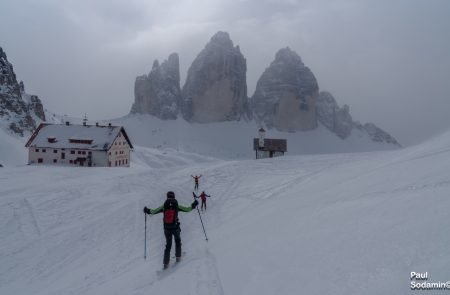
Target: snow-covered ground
(234, 140)
(354, 223)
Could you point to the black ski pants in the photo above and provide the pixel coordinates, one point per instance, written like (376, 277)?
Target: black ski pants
(176, 234)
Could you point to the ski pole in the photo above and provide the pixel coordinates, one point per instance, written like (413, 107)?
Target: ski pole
(145, 239)
(201, 222)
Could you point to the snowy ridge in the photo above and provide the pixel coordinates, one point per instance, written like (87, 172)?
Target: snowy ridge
(320, 224)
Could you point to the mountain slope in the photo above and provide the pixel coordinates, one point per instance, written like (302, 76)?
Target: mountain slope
(316, 224)
(19, 111)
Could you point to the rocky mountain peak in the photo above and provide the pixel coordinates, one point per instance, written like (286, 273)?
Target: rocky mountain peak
(159, 93)
(155, 65)
(18, 109)
(339, 121)
(221, 39)
(288, 57)
(216, 84)
(286, 94)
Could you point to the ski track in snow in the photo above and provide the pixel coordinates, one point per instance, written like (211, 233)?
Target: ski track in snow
(82, 232)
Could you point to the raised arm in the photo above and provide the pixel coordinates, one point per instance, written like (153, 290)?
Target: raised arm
(184, 208)
(157, 210)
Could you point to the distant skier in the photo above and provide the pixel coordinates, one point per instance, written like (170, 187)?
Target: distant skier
(170, 209)
(203, 196)
(196, 178)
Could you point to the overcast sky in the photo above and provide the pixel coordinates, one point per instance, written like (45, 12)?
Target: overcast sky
(389, 60)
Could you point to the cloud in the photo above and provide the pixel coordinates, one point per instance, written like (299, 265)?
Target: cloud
(379, 57)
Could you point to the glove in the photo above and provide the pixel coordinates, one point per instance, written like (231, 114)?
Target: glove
(194, 204)
(146, 210)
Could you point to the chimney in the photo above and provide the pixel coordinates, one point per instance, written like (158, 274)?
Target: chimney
(109, 125)
(96, 124)
(84, 123)
(67, 123)
(262, 134)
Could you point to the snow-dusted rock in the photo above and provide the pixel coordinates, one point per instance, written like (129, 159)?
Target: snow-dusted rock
(159, 93)
(18, 110)
(336, 119)
(376, 133)
(339, 121)
(216, 87)
(286, 94)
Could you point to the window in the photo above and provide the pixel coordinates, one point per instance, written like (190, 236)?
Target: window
(54, 160)
(40, 160)
(116, 152)
(126, 161)
(116, 162)
(55, 151)
(37, 150)
(63, 156)
(83, 152)
(70, 161)
(79, 152)
(89, 153)
(109, 164)
(109, 153)
(72, 152)
(79, 140)
(44, 150)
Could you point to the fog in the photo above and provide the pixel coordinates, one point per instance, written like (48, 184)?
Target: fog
(388, 60)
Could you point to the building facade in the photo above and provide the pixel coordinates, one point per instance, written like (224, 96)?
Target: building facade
(267, 147)
(80, 145)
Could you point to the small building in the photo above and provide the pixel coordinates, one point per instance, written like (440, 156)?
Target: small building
(267, 147)
(79, 145)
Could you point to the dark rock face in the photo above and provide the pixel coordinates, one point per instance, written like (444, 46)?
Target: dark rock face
(336, 119)
(286, 94)
(159, 93)
(17, 107)
(37, 107)
(216, 85)
(286, 98)
(339, 121)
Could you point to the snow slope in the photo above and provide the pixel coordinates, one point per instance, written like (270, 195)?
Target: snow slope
(234, 140)
(312, 224)
(12, 149)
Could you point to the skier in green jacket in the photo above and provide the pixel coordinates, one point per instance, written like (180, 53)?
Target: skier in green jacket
(170, 209)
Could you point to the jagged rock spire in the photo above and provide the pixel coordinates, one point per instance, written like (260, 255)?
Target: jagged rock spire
(216, 85)
(159, 93)
(286, 94)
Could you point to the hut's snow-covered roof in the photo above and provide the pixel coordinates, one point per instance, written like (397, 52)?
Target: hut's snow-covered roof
(75, 136)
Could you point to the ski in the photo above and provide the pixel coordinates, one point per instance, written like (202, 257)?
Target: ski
(171, 267)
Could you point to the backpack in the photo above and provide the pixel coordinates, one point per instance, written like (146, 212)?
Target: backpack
(170, 213)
